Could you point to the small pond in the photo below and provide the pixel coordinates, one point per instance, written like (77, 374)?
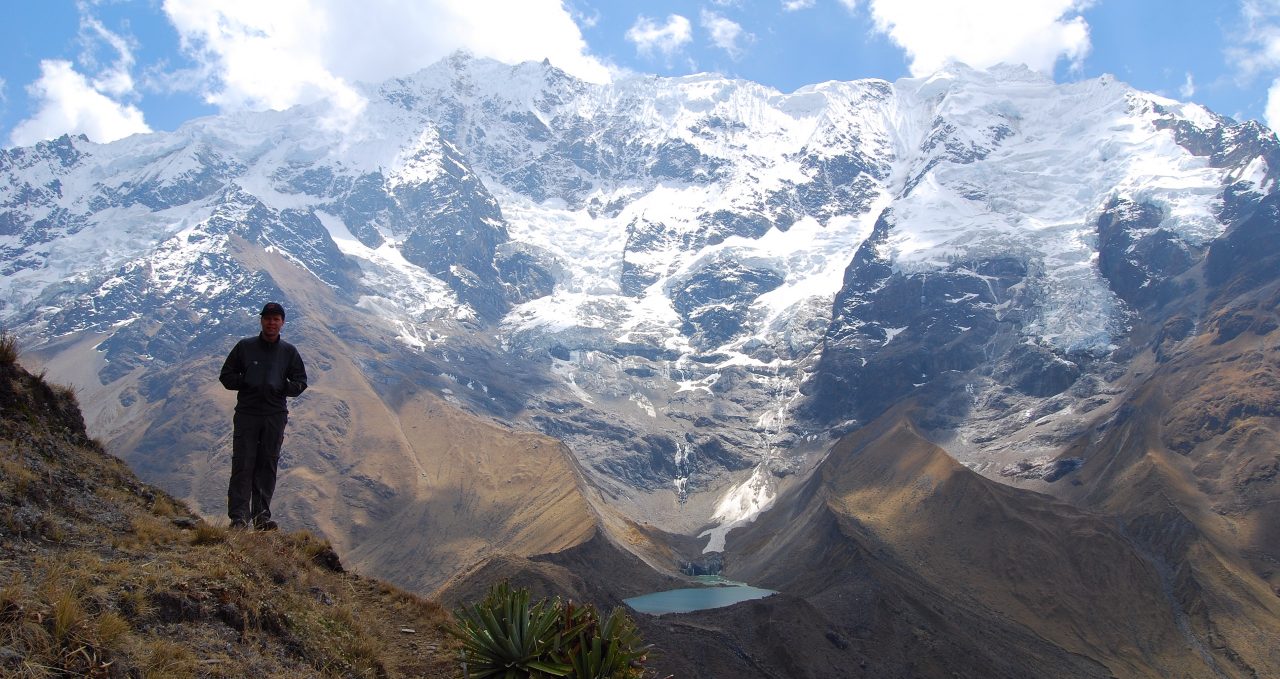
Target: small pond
(720, 593)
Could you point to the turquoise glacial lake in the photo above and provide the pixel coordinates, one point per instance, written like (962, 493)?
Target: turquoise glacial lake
(695, 598)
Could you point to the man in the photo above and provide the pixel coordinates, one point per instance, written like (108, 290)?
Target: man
(263, 370)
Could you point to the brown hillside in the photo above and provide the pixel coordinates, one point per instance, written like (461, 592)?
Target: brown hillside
(1190, 467)
(476, 489)
(999, 580)
(596, 571)
(103, 575)
(1189, 464)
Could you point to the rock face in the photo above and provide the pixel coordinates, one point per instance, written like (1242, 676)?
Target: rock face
(697, 285)
(892, 332)
(1137, 257)
(715, 300)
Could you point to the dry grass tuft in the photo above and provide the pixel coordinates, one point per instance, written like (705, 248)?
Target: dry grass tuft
(166, 508)
(166, 658)
(208, 534)
(68, 617)
(8, 348)
(364, 656)
(147, 531)
(15, 477)
(112, 629)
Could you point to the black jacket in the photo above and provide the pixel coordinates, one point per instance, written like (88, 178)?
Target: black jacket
(263, 373)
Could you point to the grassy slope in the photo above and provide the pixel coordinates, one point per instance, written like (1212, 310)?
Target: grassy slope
(103, 575)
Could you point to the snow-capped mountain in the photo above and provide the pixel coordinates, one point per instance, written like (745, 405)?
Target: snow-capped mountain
(698, 324)
(690, 281)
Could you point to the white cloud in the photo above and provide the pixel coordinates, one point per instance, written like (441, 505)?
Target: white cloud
(98, 105)
(1259, 48)
(983, 33)
(797, 5)
(667, 39)
(261, 55)
(69, 103)
(1257, 52)
(585, 20)
(1188, 88)
(1272, 113)
(725, 33)
(116, 79)
(257, 55)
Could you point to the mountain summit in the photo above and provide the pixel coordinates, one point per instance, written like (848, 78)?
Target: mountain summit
(696, 287)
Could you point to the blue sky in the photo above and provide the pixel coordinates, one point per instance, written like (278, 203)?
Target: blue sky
(110, 68)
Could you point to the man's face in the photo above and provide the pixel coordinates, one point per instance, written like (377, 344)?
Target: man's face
(271, 324)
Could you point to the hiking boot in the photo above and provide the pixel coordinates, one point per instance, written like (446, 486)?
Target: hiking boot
(267, 525)
(239, 524)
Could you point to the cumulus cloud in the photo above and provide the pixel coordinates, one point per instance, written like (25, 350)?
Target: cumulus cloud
(1257, 54)
(98, 105)
(666, 39)
(69, 103)
(797, 5)
(277, 54)
(725, 33)
(1188, 88)
(983, 33)
(261, 55)
(1272, 112)
(1258, 49)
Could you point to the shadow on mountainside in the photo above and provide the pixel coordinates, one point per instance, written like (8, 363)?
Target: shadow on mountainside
(103, 575)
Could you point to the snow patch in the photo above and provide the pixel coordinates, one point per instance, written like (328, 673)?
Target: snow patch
(739, 506)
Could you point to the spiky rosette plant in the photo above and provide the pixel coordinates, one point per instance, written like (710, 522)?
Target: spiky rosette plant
(506, 637)
(612, 649)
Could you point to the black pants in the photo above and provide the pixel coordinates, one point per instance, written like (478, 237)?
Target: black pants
(255, 452)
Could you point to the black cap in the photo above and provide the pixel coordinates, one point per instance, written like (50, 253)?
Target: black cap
(272, 308)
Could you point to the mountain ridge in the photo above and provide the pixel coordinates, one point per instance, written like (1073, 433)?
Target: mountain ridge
(699, 287)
